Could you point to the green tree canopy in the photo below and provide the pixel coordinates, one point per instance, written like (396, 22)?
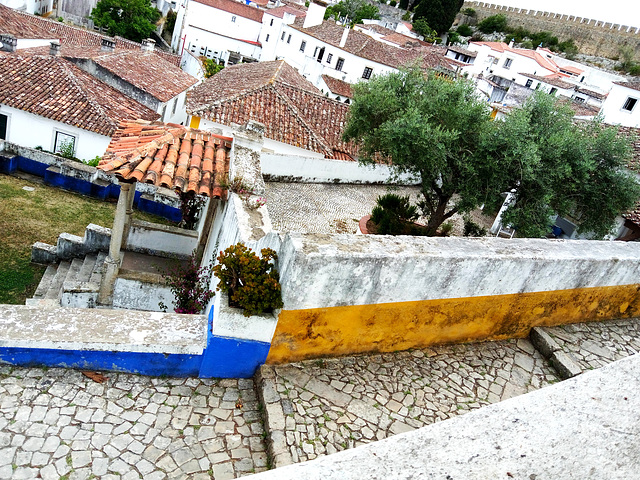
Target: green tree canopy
(354, 10)
(494, 23)
(439, 14)
(421, 27)
(132, 19)
(441, 132)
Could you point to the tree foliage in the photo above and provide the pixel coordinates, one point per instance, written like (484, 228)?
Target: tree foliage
(439, 14)
(354, 10)
(132, 19)
(421, 27)
(440, 132)
(494, 23)
(211, 67)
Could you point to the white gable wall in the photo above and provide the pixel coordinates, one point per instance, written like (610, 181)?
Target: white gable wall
(613, 108)
(33, 131)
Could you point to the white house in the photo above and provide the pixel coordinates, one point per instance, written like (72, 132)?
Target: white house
(59, 105)
(621, 105)
(224, 30)
(40, 7)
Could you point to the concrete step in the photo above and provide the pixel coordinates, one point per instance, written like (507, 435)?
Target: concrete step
(53, 292)
(84, 275)
(74, 269)
(96, 274)
(46, 281)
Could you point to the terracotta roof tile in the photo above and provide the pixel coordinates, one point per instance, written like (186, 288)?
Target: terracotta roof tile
(634, 135)
(24, 25)
(367, 47)
(169, 155)
(554, 80)
(592, 93)
(279, 12)
(144, 70)
(54, 88)
(273, 93)
(632, 85)
(237, 8)
(338, 87)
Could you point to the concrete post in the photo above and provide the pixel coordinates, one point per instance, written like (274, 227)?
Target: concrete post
(131, 195)
(112, 262)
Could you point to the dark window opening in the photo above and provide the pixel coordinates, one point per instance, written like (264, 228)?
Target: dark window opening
(340, 64)
(367, 73)
(629, 104)
(529, 83)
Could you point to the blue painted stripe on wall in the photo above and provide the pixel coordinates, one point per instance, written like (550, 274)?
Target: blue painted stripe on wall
(8, 164)
(155, 364)
(232, 357)
(32, 167)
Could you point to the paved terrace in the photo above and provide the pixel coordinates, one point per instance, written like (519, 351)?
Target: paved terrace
(57, 423)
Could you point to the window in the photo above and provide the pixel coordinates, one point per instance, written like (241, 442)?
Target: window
(283, 34)
(553, 91)
(340, 64)
(4, 120)
(233, 19)
(63, 142)
(367, 73)
(630, 104)
(289, 39)
(329, 57)
(578, 99)
(175, 104)
(271, 23)
(315, 52)
(507, 63)
(267, 39)
(303, 45)
(529, 83)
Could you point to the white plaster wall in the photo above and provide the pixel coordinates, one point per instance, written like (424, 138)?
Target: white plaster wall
(192, 65)
(483, 64)
(321, 170)
(214, 20)
(369, 269)
(137, 295)
(30, 6)
(175, 110)
(150, 237)
(217, 45)
(30, 130)
(612, 107)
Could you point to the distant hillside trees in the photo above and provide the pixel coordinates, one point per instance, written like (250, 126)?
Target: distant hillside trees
(439, 14)
(132, 19)
(354, 10)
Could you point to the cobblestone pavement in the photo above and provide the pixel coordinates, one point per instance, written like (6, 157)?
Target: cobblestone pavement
(322, 406)
(57, 423)
(324, 208)
(595, 344)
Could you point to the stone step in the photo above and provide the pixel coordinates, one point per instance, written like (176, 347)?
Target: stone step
(46, 281)
(96, 274)
(74, 269)
(84, 275)
(56, 285)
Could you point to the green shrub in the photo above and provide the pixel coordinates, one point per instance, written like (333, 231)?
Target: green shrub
(472, 229)
(494, 23)
(469, 12)
(454, 37)
(393, 3)
(93, 162)
(66, 150)
(464, 30)
(393, 214)
(251, 282)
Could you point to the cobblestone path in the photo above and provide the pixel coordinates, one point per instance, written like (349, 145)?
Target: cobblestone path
(324, 208)
(58, 423)
(595, 344)
(323, 406)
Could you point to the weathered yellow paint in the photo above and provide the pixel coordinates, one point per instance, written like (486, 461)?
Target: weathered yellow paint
(387, 327)
(195, 122)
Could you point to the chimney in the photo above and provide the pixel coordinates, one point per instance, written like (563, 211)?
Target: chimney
(345, 34)
(54, 50)
(511, 43)
(148, 44)
(315, 13)
(8, 43)
(108, 44)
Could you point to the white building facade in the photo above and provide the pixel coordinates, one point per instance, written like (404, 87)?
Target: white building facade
(622, 105)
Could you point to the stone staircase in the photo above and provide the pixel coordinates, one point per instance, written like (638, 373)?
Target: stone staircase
(71, 283)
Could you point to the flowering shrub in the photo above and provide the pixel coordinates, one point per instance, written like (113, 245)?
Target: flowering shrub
(245, 191)
(255, 202)
(251, 282)
(190, 285)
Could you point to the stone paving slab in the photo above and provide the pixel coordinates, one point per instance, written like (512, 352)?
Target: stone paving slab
(319, 407)
(57, 423)
(595, 344)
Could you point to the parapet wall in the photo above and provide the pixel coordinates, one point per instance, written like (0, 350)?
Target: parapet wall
(346, 294)
(592, 36)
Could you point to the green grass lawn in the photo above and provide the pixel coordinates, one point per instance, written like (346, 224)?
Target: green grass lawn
(41, 215)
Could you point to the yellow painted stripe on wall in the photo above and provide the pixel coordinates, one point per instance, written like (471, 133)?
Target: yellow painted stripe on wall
(388, 327)
(195, 122)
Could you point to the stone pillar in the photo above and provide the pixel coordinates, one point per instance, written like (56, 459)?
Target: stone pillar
(112, 262)
(131, 195)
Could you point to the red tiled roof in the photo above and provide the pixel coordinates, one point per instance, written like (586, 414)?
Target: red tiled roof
(280, 11)
(374, 27)
(592, 93)
(292, 109)
(525, 52)
(24, 25)
(142, 69)
(631, 85)
(338, 87)
(634, 135)
(367, 47)
(402, 40)
(236, 8)
(549, 79)
(464, 51)
(169, 155)
(54, 88)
